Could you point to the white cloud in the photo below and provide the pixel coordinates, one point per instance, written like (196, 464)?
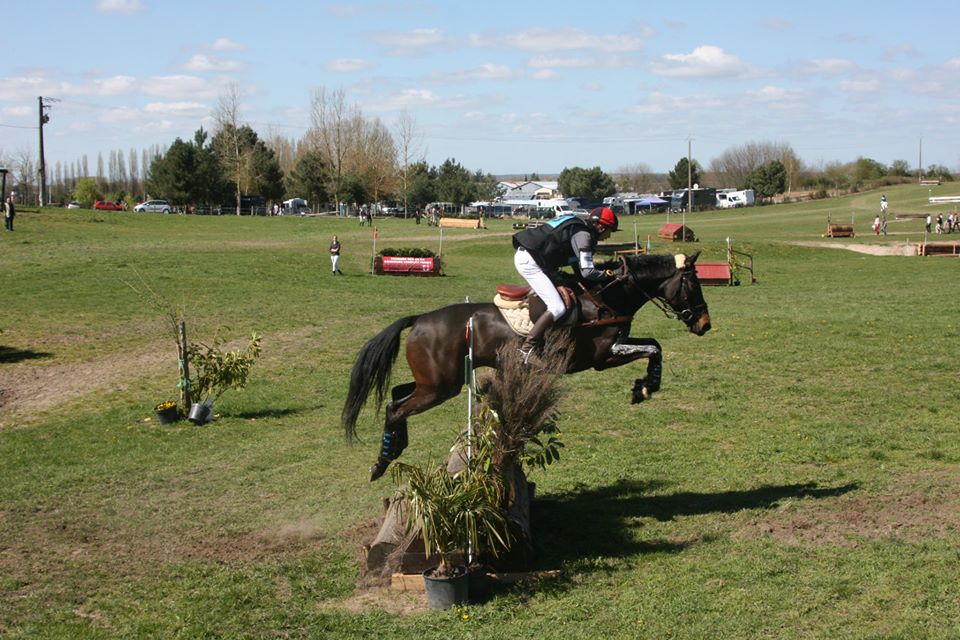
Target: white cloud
(544, 62)
(953, 64)
(486, 71)
(201, 62)
(592, 86)
(412, 99)
(663, 103)
(778, 24)
(540, 39)
(155, 127)
(778, 97)
(546, 74)
(18, 112)
(412, 42)
(348, 65)
(121, 114)
(113, 86)
(182, 87)
(829, 66)
(224, 44)
(126, 7)
(704, 61)
(177, 108)
(899, 51)
(861, 85)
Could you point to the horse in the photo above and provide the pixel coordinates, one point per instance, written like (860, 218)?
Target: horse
(600, 332)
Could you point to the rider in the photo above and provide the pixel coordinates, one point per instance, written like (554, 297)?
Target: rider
(567, 240)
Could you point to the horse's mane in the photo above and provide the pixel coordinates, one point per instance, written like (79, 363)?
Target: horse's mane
(649, 265)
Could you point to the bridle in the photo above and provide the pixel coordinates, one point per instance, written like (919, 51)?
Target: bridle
(687, 273)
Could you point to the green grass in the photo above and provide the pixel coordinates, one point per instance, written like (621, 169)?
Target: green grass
(795, 477)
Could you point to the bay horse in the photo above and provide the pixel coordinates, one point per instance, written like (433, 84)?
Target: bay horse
(437, 344)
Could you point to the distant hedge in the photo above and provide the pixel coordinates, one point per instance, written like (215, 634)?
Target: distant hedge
(411, 252)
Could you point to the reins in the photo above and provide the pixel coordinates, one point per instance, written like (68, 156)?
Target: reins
(684, 316)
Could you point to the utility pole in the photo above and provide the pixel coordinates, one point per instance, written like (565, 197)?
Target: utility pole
(920, 164)
(42, 104)
(683, 231)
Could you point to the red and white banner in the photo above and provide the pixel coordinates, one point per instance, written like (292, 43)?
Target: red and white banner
(406, 264)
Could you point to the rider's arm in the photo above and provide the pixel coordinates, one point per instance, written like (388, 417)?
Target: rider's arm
(583, 246)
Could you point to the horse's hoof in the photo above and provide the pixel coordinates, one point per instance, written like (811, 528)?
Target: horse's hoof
(641, 391)
(378, 469)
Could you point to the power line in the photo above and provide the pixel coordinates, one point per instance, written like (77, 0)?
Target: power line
(17, 126)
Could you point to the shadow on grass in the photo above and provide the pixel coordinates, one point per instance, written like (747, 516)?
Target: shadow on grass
(265, 413)
(11, 354)
(582, 525)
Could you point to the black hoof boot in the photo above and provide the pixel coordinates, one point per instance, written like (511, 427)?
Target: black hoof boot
(393, 444)
(640, 391)
(379, 468)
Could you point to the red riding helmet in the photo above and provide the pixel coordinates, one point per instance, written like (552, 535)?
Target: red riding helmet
(606, 217)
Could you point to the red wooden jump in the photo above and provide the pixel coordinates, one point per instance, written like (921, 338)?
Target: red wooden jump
(714, 273)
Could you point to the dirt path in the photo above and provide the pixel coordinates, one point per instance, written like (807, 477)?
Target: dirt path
(898, 249)
(32, 386)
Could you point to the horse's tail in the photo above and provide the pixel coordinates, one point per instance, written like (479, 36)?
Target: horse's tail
(372, 371)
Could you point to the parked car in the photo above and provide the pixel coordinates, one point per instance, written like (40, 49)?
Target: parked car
(106, 205)
(154, 205)
(73, 205)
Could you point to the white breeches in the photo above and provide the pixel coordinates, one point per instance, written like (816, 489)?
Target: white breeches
(335, 262)
(539, 282)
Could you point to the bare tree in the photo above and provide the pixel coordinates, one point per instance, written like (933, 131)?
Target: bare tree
(733, 166)
(332, 121)
(375, 157)
(227, 116)
(409, 152)
(26, 173)
(637, 178)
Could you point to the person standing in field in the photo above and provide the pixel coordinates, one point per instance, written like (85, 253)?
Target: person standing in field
(9, 212)
(335, 256)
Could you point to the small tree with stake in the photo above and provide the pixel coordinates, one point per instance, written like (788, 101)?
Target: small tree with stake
(216, 371)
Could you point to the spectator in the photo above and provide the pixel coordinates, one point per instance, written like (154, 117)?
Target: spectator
(335, 256)
(9, 212)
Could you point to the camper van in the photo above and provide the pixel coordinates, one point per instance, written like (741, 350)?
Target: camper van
(703, 198)
(731, 199)
(540, 208)
(294, 206)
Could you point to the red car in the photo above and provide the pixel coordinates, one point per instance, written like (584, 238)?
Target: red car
(106, 205)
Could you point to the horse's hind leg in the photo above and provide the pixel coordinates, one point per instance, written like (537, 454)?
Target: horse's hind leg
(394, 439)
(408, 399)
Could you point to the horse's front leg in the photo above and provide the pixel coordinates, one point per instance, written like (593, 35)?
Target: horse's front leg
(627, 350)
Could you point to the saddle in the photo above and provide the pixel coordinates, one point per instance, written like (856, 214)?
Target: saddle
(513, 302)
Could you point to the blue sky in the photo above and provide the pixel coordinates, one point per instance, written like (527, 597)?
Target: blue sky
(503, 87)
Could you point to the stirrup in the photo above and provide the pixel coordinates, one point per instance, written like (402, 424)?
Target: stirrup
(530, 357)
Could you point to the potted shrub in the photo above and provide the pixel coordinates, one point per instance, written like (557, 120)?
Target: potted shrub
(215, 371)
(455, 511)
(167, 412)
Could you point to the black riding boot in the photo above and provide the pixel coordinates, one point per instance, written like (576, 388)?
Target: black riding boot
(534, 339)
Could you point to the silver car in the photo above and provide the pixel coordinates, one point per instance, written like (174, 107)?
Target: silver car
(154, 205)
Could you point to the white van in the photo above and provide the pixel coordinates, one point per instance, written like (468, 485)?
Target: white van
(728, 199)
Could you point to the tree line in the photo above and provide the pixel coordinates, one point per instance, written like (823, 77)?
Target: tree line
(348, 157)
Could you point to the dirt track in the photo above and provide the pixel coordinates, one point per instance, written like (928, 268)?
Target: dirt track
(898, 249)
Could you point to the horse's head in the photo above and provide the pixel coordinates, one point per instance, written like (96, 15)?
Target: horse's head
(683, 293)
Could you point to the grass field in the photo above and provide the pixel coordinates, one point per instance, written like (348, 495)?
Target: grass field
(798, 475)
